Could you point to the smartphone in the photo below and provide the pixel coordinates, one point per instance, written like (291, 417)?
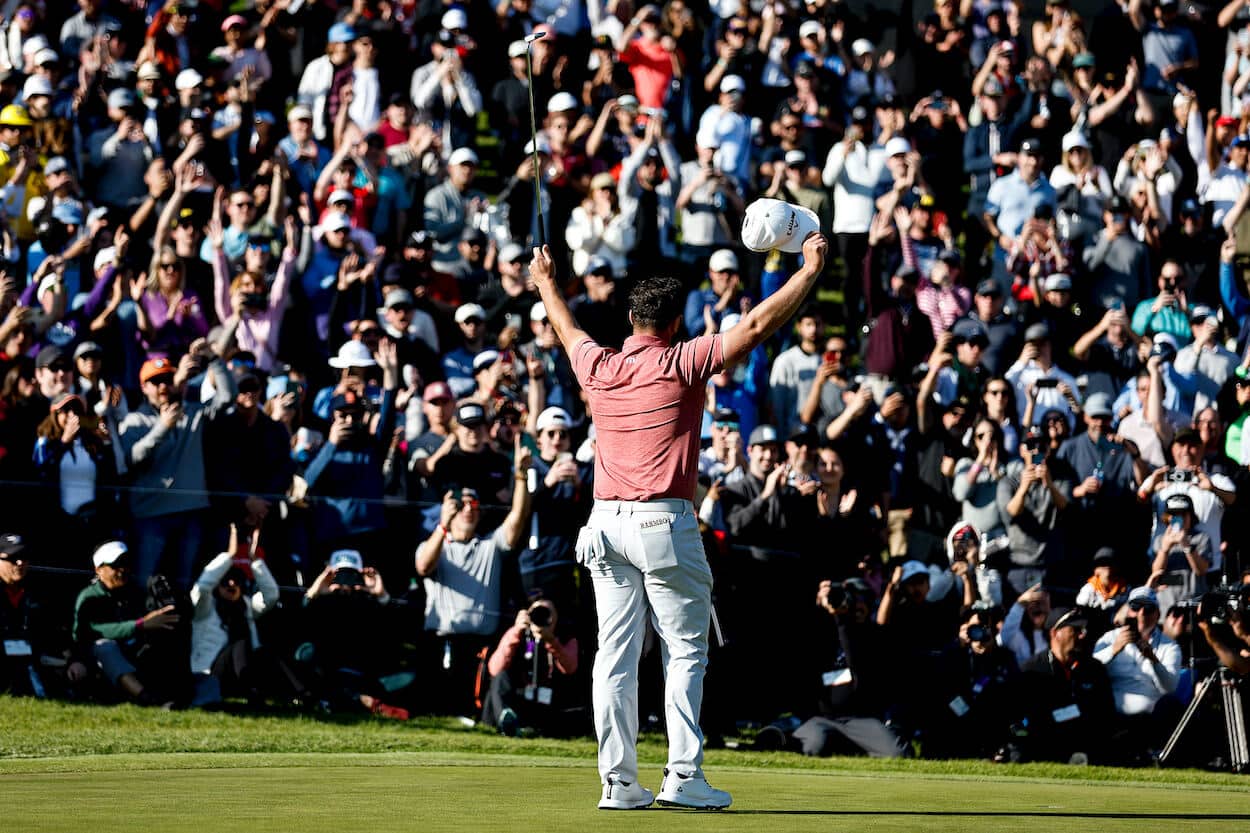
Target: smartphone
(349, 577)
(1176, 523)
(1047, 383)
(832, 357)
(564, 457)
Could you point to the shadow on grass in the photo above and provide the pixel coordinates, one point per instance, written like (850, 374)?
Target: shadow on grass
(1023, 814)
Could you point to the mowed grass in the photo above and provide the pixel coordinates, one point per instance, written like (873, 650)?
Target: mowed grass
(87, 768)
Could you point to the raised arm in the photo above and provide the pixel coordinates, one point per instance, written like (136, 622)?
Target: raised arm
(775, 310)
(543, 272)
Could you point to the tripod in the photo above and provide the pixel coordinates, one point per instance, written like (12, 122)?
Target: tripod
(1234, 719)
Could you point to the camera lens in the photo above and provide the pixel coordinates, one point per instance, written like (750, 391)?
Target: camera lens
(540, 616)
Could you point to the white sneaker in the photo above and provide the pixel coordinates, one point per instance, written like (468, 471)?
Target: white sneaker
(617, 795)
(691, 791)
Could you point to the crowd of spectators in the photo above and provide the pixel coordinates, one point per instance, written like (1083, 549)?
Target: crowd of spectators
(272, 368)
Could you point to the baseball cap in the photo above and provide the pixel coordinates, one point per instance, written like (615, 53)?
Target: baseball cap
(470, 414)
(1240, 141)
(913, 569)
(992, 88)
(796, 158)
(804, 435)
(538, 312)
(1037, 332)
(966, 329)
(1033, 147)
(46, 56)
(1178, 503)
(1074, 139)
(810, 27)
(733, 84)
(511, 253)
(1084, 60)
(763, 435)
(896, 146)
(1187, 436)
(602, 180)
(336, 220)
(437, 390)
(726, 415)
(68, 212)
(628, 102)
(1065, 617)
(1190, 208)
(121, 98)
(12, 544)
(599, 265)
(861, 47)
(989, 288)
(66, 398)
(149, 71)
(553, 417)
(1104, 555)
(154, 368)
(1143, 596)
(541, 145)
(517, 49)
(300, 112)
(110, 552)
(773, 224)
(561, 102)
(398, 297)
(352, 354)
(341, 195)
(56, 165)
(346, 559)
(234, 20)
(36, 85)
(1097, 405)
(467, 311)
(722, 260)
(341, 33)
(1200, 312)
(454, 18)
(347, 401)
(188, 79)
(462, 156)
(88, 348)
(485, 359)
(1058, 282)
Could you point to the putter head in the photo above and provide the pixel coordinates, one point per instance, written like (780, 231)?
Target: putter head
(539, 35)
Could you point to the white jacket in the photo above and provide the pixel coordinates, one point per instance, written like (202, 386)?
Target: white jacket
(208, 632)
(589, 236)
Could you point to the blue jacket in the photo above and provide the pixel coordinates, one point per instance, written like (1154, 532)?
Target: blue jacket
(346, 483)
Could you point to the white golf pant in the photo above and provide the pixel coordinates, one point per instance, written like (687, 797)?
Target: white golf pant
(646, 559)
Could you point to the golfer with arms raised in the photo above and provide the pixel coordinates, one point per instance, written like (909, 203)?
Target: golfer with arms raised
(642, 543)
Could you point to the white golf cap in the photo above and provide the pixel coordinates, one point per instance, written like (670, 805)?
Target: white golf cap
(538, 312)
(511, 253)
(861, 47)
(627, 102)
(109, 553)
(733, 84)
(1074, 139)
(485, 359)
(896, 146)
(300, 112)
(352, 354)
(810, 27)
(560, 102)
(341, 195)
(454, 19)
(773, 224)
(467, 311)
(336, 220)
(149, 71)
(188, 79)
(346, 559)
(722, 260)
(36, 85)
(516, 49)
(553, 417)
(103, 258)
(34, 44)
(544, 146)
(46, 56)
(462, 156)
(796, 157)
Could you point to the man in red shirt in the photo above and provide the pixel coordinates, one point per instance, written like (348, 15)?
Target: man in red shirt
(642, 543)
(651, 57)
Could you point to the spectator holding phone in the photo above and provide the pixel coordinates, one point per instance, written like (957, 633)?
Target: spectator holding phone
(463, 575)
(1182, 555)
(1209, 493)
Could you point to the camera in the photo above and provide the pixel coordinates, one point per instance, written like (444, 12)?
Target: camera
(1042, 384)
(349, 577)
(255, 300)
(1223, 604)
(979, 633)
(837, 596)
(1180, 476)
(540, 616)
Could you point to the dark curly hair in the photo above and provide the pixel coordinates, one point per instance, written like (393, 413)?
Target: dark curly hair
(654, 303)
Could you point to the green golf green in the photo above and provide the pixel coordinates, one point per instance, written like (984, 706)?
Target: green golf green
(124, 769)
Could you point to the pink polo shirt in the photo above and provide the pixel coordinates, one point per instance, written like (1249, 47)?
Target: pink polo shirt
(647, 404)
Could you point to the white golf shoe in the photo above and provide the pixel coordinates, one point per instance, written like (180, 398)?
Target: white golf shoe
(692, 791)
(618, 795)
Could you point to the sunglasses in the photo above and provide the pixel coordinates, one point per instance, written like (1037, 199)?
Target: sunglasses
(984, 435)
(13, 559)
(727, 426)
(1139, 606)
(557, 433)
(248, 204)
(250, 386)
(172, 266)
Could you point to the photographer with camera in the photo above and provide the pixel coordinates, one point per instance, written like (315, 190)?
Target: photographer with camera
(1222, 618)
(463, 575)
(855, 674)
(530, 671)
(1144, 666)
(113, 626)
(1065, 695)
